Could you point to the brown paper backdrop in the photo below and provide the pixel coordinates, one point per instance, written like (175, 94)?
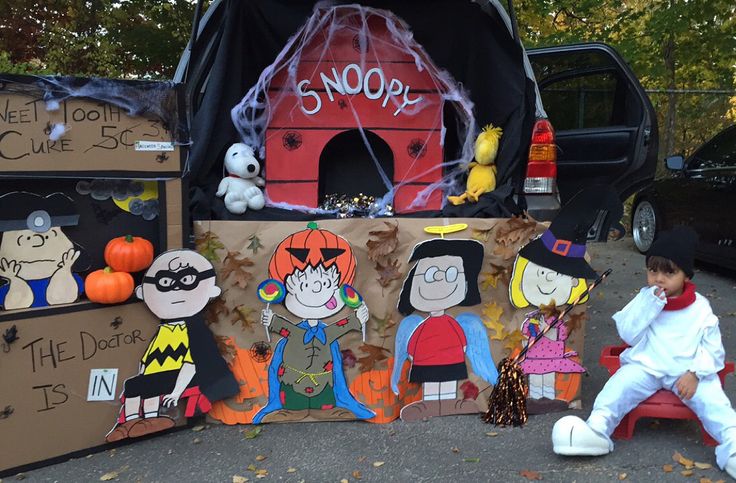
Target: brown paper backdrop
(235, 317)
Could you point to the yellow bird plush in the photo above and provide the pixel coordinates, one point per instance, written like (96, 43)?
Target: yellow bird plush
(482, 175)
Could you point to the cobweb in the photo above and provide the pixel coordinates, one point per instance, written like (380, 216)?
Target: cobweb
(137, 98)
(253, 114)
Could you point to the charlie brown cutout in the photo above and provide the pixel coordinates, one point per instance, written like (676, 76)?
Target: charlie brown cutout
(551, 270)
(305, 376)
(445, 275)
(36, 257)
(182, 354)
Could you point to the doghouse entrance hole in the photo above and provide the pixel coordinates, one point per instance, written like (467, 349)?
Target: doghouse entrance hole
(346, 166)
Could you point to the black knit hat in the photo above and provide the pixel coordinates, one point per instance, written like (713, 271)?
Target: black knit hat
(678, 245)
(562, 247)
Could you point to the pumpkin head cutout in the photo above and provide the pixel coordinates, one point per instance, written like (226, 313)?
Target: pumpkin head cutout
(313, 247)
(313, 264)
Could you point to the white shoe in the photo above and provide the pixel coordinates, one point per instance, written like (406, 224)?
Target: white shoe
(731, 467)
(571, 436)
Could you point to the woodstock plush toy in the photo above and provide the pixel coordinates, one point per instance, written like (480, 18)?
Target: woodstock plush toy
(241, 186)
(482, 175)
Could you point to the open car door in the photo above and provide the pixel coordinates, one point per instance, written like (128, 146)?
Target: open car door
(606, 127)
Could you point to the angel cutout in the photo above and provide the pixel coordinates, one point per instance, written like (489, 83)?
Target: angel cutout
(445, 275)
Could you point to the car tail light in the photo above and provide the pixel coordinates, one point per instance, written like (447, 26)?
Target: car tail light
(541, 170)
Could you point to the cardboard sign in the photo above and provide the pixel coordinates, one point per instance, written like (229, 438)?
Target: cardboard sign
(99, 138)
(102, 384)
(46, 379)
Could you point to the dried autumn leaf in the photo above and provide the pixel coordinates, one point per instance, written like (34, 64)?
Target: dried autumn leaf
(469, 390)
(491, 315)
(530, 475)
(513, 340)
(575, 321)
(381, 325)
(481, 234)
(550, 310)
(705, 480)
(375, 355)
(232, 265)
(207, 245)
(239, 479)
(503, 273)
(196, 441)
(455, 449)
(378, 464)
(515, 231)
(291, 470)
(109, 476)
(492, 434)
(215, 309)
(667, 468)
(357, 474)
(197, 428)
(344, 480)
(260, 457)
(686, 472)
(687, 463)
(388, 273)
(253, 433)
(622, 476)
(348, 358)
(386, 243)
(703, 466)
(261, 473)
(488, 280)
(244, 315)
(255, 243)
(504, 251)
(227, 351)
(251, 467)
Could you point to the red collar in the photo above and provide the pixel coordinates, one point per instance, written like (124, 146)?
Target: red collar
(235, 176)
(683, 300)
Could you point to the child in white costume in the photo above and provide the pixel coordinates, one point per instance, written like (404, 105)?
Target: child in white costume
(675, 345)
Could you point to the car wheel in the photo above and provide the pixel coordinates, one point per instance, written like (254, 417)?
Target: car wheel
(644, 224)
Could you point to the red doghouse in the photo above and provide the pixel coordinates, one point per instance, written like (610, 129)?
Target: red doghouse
(345, 80)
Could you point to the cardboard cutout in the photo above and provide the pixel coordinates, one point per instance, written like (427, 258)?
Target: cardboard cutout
(182, 358)
(36, 257)
(305, 377)
(445, 275)
(551, 270)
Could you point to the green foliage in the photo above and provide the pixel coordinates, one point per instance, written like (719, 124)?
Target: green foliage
(108, 38)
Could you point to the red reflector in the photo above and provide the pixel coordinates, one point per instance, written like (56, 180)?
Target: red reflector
(543, 132)
(541, 170)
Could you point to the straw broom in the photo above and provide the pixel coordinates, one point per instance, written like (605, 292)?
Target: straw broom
(507, 403)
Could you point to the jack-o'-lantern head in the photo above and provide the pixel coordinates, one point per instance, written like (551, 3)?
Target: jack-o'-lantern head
(313, 264)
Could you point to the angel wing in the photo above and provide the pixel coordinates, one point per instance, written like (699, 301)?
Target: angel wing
(406, 328)
(478, 350)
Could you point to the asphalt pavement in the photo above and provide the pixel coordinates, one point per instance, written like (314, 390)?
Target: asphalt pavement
(459, 448)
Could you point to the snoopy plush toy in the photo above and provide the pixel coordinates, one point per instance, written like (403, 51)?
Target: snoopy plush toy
(241, 186)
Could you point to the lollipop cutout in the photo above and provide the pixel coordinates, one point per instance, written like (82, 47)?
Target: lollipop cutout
(352, 299)
(271, 291)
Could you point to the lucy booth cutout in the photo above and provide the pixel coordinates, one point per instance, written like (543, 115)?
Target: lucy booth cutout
(445, 275)
(305, 376)
(182, 358)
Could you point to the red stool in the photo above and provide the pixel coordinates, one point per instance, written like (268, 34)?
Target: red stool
(662, 404)
(195, 400)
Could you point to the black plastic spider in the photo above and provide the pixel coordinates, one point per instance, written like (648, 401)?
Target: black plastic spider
(416, 148)
(292, 140)
(260, 351)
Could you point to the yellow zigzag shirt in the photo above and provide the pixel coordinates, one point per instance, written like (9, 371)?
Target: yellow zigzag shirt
(168, 351)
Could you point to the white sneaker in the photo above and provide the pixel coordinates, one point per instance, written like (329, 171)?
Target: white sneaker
(571, 436)
(731, 467)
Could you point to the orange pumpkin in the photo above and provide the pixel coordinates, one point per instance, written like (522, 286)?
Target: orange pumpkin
(567, 386)
(373, 388)
(313, 247)
(129, 254)
(253, 379)
(108, 287)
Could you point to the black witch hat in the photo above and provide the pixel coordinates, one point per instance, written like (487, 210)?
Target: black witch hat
(562, 247)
